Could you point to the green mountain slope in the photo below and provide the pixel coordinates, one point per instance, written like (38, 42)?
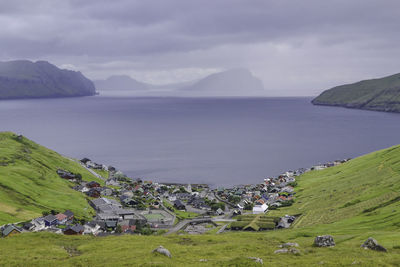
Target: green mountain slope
(26, 79)
(377, 94)
(29, 183)
(363, 193)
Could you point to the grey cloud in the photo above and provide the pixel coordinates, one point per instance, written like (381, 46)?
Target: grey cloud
(154, 35)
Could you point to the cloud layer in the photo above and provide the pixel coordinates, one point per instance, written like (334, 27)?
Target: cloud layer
(295, 47)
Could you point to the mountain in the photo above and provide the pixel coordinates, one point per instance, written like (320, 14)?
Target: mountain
(377, 94)
(120, 83)
(29, 183)
(235, 82)
(26, 79)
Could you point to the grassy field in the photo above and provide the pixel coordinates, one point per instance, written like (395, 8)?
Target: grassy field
(352, 202)
(29, 183)
(180, 214)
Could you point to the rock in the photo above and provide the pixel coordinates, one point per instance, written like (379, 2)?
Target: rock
(324, 241)
(371, 243)
(287, 251)
(163, 251)
(203, 260)
(289, 244)
(257, 260)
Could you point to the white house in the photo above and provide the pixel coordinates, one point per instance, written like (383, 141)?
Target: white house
(259, 209)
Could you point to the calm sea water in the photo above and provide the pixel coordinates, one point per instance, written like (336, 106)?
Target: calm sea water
(214, 141)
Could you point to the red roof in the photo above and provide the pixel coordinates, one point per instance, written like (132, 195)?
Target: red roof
(61, 217)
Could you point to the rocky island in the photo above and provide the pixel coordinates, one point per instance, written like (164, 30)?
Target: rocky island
(40, 79)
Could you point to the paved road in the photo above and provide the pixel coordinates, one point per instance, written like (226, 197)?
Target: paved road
(90, 170)
(222, 229)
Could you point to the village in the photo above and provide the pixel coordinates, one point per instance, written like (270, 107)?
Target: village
(124, 205)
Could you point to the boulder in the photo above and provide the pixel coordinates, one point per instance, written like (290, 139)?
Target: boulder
(324, 241)
(371, 243)
(287, 251)
(163, 251)
(257, 260)
(288, 245)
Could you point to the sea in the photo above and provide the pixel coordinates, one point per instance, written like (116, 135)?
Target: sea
(217, 141)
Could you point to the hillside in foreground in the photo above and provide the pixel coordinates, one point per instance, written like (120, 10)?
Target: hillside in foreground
(352, 202)
(29, 183)
(377, 94)
(26, 79)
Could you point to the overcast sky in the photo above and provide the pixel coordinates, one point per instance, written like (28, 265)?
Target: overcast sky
(295, 47)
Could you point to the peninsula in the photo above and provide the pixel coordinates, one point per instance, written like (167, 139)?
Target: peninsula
(40, 79)
(377, 94)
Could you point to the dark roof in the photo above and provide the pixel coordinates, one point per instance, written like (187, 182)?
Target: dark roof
(77, 228)
(178, 203)
(9, 229)
(111, 224)
(50, 218)
(69, 213)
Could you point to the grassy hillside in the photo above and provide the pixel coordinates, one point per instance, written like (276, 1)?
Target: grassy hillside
(29, 183)
(377, 94)
(363, 193)
(352, 202)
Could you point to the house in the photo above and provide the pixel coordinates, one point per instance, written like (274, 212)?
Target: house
(29, 226)
(259, 209)
(179, 205)
(76, 229)
(128, 226)
(106, 191)
(107, 216)
(85, 160)
(219, 211)
(61, 218)
(112, 182)
(38, 224)
(50, 220)
(94, 192)
(92, 228)
(92, 184)
(81, 188)
(105, 204)
(65, 174)
(69, 214)
(10, 230)
(111, 225)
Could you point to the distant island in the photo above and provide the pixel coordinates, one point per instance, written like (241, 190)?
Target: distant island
(234, 82)
(377, 94)
(40, 79)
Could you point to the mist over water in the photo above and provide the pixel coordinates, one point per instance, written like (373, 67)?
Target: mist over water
(219, 141)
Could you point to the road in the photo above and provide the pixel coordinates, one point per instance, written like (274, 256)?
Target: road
(183, 223)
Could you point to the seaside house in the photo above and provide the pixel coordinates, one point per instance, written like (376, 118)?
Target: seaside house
(260, 208)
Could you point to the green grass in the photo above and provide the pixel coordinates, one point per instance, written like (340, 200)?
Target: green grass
(153, 216)
(352, 202)
(29, 183)
(102, 173)
(180, 214)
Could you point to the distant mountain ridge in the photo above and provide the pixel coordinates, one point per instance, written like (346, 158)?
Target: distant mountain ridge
(377, 94)
(40, 79)
(234, 82)
(120, 82)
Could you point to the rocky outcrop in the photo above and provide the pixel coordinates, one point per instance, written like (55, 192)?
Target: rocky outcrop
(324, 241)
(287, 251)
(288, 245)
(372, 244)
(257, 260)
(163, 251)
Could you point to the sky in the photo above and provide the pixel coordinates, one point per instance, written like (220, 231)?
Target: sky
(297, 48)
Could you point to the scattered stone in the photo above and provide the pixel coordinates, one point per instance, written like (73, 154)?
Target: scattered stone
(203, 260)
(288, 245)
(287, 251)
(371, 243)
(324, 241)
(257, 260)
(163, 251)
